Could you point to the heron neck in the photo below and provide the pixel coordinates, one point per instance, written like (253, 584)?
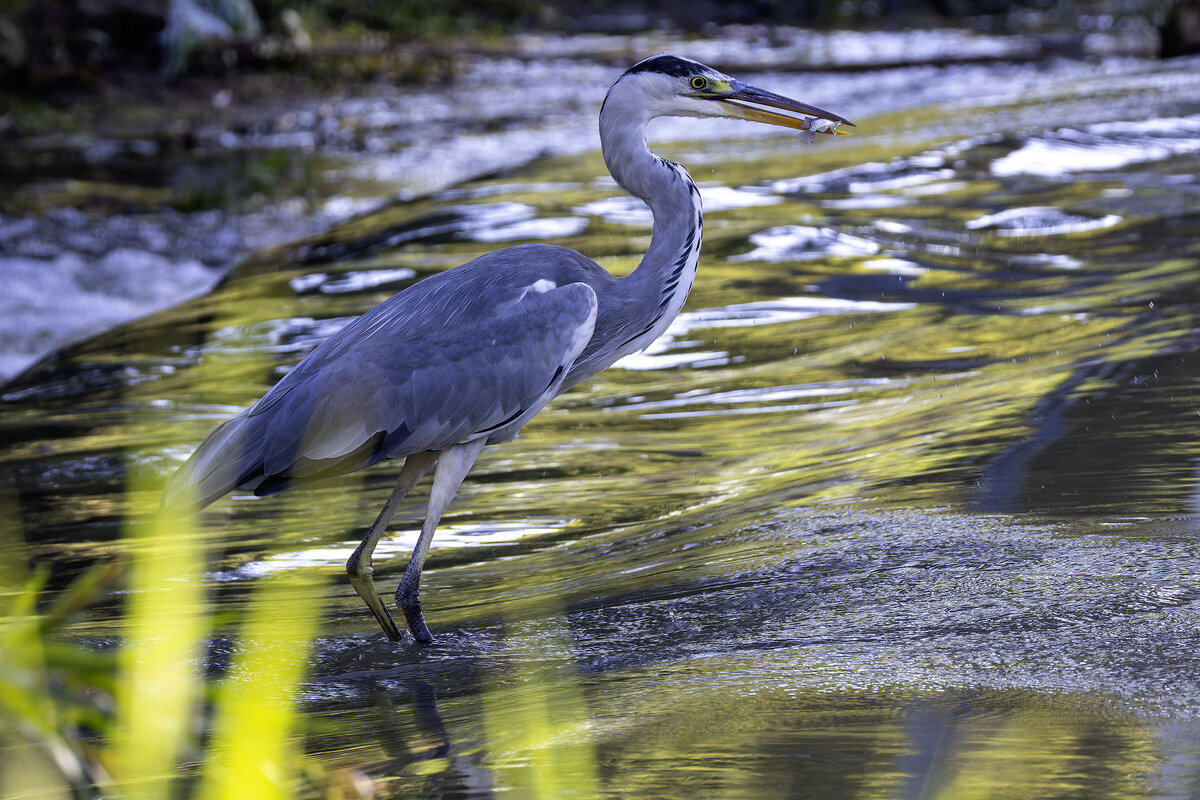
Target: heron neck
(662, 280)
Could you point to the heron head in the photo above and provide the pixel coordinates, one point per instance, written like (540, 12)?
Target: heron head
(679, 87)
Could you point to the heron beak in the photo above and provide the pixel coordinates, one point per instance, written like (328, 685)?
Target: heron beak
(746, 102)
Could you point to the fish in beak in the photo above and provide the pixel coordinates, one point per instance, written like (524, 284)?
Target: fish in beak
(758, 105)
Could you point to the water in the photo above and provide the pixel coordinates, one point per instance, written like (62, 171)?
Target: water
(904, 505)
(163, 200)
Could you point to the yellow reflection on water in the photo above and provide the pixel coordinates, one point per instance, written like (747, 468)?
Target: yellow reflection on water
(539, 742)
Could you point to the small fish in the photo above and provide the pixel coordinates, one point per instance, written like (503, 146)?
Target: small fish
(809, 128)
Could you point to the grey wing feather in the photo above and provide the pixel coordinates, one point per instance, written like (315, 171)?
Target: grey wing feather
(380, 389)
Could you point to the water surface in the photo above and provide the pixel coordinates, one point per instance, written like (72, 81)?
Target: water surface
(904, 504)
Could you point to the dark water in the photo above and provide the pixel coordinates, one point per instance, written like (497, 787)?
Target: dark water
(904, 505)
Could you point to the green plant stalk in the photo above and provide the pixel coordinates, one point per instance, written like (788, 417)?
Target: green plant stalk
(159, 682)
(252, 754)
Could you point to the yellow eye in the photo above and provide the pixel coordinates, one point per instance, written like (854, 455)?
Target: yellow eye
(699, 82)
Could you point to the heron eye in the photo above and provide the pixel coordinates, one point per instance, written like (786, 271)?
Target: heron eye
(699, 82)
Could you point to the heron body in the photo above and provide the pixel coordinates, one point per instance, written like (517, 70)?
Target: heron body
(465, 358)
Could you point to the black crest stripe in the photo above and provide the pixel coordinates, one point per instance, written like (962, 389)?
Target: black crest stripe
(674, 66)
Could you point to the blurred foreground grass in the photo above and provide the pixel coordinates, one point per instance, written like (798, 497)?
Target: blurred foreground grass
(145, 721)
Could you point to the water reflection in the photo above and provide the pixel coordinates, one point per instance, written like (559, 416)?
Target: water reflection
(904, 505)
(1039, 221)
(792, 242)
(396, 546)
(719, 699)
(1102, 146)
(351, 281)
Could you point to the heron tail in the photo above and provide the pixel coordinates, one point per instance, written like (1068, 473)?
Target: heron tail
(212, 470)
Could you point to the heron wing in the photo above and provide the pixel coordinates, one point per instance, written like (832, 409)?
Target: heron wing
(379, 392)
(441, 304)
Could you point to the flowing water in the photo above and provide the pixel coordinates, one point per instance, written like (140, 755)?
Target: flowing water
(905, 504)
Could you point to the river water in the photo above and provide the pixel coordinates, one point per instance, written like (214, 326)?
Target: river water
(904, 505)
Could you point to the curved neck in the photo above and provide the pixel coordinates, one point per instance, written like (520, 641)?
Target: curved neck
(659, 285)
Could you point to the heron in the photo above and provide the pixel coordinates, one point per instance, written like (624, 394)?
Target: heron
(466, 357)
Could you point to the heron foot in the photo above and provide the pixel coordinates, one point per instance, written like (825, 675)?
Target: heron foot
(409, 602)
(362, 580)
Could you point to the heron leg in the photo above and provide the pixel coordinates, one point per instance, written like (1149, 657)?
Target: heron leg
(358, 567)
(453, 465)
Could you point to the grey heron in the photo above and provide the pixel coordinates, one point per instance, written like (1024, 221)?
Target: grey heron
(465, 358)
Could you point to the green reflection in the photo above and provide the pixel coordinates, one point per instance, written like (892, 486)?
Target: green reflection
(536, 720)
(725, 600)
